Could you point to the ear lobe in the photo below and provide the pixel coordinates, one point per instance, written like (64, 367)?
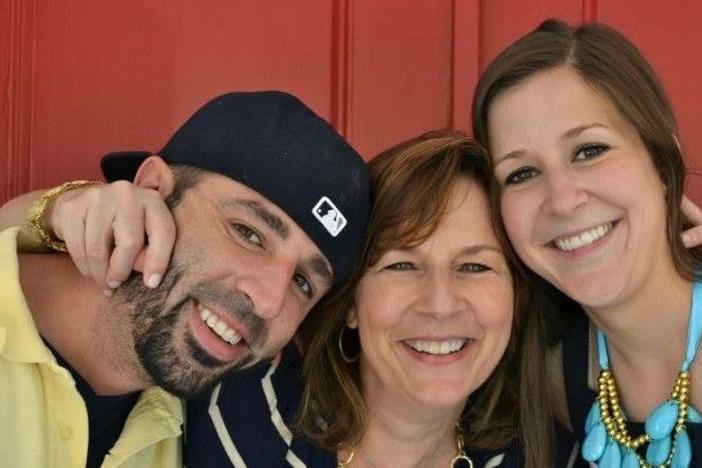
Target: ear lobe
(352, 318)
(154, 173)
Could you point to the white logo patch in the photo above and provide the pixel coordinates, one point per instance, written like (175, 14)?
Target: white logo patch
(329, 215)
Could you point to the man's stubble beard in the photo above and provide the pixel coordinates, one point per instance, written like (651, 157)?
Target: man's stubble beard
(166, 361)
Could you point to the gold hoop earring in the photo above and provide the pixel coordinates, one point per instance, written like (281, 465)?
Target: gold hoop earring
(343, 353)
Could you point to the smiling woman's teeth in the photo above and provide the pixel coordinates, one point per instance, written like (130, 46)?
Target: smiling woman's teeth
(436, 347)
(219, 327)
(584, 238)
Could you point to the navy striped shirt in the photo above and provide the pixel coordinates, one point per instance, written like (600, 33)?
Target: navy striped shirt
(246, 421)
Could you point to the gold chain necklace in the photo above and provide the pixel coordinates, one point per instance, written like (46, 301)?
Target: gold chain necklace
(460, 457)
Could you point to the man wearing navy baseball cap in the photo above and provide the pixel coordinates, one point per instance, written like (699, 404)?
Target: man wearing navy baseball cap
(270, 206)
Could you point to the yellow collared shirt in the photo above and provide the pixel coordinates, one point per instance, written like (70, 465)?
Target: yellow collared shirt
(43, 419)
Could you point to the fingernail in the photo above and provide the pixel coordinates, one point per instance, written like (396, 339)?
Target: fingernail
(686, 237)
(108, 292)
(114, 284)
(153, 281)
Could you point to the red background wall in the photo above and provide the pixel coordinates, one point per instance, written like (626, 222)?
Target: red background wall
(84, 77)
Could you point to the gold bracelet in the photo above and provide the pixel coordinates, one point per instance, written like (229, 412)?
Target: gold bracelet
(40, 207)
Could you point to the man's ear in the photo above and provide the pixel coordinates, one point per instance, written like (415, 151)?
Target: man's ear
(155, 173)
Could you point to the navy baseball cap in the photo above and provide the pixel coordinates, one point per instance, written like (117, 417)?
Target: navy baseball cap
(274, 144)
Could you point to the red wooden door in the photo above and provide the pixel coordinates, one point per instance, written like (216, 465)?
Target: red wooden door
(84, 77)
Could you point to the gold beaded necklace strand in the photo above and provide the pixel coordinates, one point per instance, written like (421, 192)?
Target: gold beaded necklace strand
(607, 439)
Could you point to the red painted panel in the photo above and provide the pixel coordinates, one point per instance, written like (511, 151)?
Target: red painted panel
(254, 44)
(102, 83)
(340, 70)
(400, 62)
(121, 75)
(669, 34)
(466, 60)
(503, 21)
(82, 77)
(16, 79)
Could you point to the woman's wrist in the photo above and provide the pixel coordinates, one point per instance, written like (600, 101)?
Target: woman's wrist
(41, 208)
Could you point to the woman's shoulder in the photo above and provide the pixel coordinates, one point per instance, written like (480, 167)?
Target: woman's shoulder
(248, 418)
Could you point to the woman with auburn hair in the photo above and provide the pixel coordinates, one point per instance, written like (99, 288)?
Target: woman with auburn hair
(410, 362)
(589, 176)
(416, 336)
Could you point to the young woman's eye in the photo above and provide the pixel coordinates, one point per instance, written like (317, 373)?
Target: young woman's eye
(400, 266)
(304, 285)
(473, 268)
(248, 234)
(590, 151)
(520, 175)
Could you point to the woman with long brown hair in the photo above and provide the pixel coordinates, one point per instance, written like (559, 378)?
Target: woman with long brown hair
(589, 176)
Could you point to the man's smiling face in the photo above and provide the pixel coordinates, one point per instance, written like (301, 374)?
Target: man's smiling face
(242, 277)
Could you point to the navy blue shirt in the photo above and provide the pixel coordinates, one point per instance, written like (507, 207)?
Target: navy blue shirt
(248, 421)
(106, 414)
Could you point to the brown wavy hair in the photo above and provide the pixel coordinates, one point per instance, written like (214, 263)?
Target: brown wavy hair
(412, 184)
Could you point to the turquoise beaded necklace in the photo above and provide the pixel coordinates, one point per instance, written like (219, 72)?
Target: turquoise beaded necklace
(607, 441)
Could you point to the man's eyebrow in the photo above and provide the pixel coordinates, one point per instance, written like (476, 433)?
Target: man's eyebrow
(273, 221)
(319, 265)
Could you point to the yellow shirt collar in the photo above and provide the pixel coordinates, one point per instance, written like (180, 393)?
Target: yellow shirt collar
(19, 338)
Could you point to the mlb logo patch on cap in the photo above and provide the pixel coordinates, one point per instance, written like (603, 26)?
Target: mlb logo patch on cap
(329, 215)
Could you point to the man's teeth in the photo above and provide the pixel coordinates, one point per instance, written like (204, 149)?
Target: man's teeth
(219, 327)
(436, 347)
(584, 238)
